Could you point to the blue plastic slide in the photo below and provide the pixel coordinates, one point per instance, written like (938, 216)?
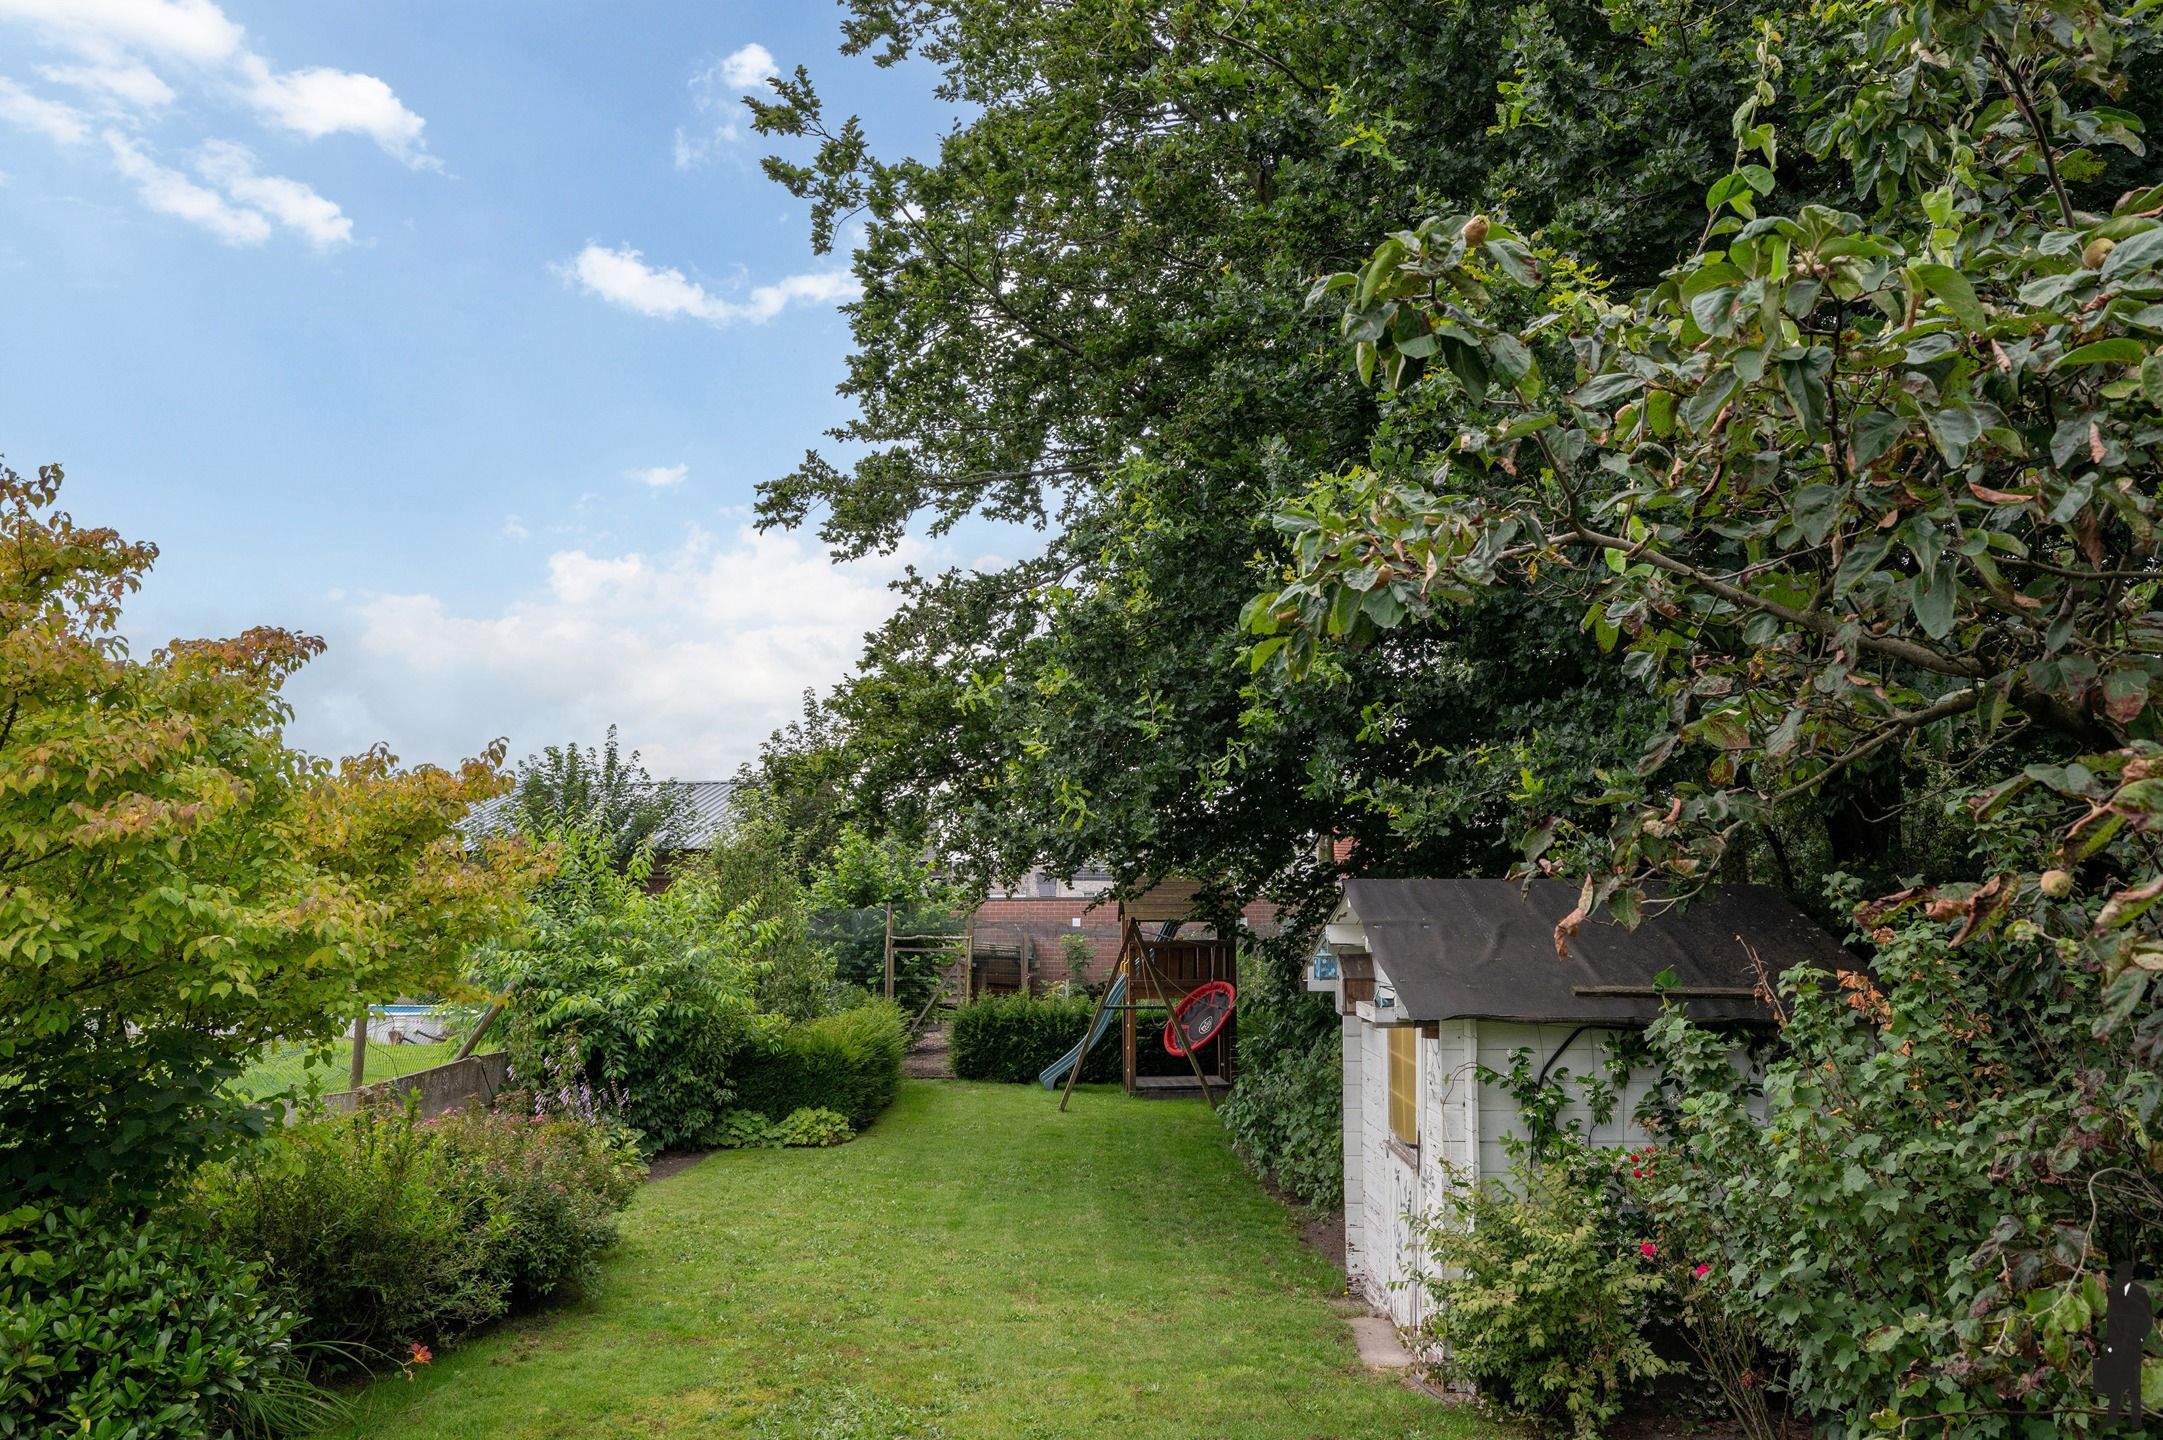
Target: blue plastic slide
(1056, 1071)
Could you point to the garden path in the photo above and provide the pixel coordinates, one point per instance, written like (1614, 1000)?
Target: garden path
(932, 1058)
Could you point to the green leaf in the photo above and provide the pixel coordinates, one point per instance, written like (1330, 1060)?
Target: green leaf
(1725, 190)
(1872, 433)
(1954, 429)
(1954, 289)
(1816, 508)
(1385, 259)
(1698, 411)
(1602, 391)
(2136, 252)
(1660, 412)
(1469, 364)
(2121, 350)
(1343, 609)
(1383, 607)
(1511, 359)
(1803, 381)
(1931, 595)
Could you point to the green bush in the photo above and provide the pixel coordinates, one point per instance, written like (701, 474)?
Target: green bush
(1011, 1038)
(128, 1332)
(1541, 1299)
(812, 1128)
(741, 1130)
(849, 1063)
(804, 1128)
(386, 1233)
(1286, 1113)
(1911, 1238)
(647, 997)
(548, 1191)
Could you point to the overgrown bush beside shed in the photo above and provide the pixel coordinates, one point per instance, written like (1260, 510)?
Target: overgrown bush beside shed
(848, 1062)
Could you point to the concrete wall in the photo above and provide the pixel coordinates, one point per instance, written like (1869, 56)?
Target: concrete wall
(441, 1088)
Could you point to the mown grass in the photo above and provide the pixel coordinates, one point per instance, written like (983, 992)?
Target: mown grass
(288, 1067)
(976, 1265)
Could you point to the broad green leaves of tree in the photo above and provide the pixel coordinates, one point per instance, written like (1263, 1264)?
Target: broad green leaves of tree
(1850, 488)
(178, 887)
(1085, 311)
(600, 787)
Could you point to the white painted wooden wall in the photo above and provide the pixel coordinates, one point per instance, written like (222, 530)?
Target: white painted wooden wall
(1462, 1127)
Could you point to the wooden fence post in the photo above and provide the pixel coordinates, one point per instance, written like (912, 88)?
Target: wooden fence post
(487, 1019)
(889, 949)
(360, 1051)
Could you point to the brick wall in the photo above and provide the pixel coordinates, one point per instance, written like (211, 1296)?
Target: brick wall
(1003, 922)
(1046, 921)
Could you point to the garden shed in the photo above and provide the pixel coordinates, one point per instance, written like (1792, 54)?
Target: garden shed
(1436, 980)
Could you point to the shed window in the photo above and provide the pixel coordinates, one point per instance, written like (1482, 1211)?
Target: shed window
(1404, 1085)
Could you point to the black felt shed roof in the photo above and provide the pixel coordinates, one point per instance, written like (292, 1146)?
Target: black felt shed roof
(1457, 949)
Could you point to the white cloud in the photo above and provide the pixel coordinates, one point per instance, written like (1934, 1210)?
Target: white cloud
(622, 277)
(171, 193)
(660, 477)
(192, 30)
(63, 124)
(292, 204)
(698, 654)
(693, 151)
(718, 87)
(515, 529)
(135, 87)
(746, 69)
(114, 38)
(321, 101)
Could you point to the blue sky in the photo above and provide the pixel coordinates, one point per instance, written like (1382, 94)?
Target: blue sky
(458, 334)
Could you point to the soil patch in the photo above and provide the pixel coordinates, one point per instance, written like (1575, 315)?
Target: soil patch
(673, 1162)
(1323, 1233)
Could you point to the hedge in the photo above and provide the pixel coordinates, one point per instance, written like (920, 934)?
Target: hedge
(849, 1062)
(1011, 1038)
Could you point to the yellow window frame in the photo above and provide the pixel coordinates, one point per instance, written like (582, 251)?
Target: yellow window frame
(1404, 1085)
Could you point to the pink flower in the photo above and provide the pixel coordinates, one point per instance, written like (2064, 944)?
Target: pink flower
(1648, 1249)
(1702, 1270)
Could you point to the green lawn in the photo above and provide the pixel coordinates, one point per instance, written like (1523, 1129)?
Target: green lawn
(288, 1067)
(977, 1264)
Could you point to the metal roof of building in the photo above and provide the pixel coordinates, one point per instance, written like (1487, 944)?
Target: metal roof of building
(1485, 949)
(709, 806)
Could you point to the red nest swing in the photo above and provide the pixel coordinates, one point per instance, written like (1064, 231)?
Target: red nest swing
(1198, 1018)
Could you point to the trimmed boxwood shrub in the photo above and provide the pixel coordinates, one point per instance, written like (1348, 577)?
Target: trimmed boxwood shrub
(115, 1329)
(849, 1063)
(1011, 1038)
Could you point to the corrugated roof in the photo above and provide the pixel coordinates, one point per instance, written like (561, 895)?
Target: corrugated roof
(1459, 949)
(710, 804)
